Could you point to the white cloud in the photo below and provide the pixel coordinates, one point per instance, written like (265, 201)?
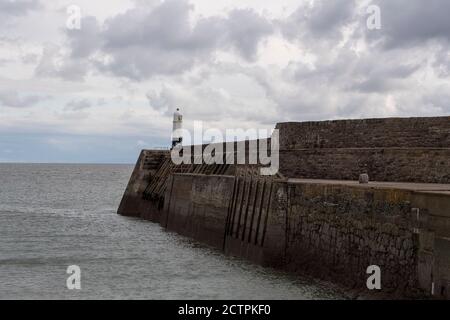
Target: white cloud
(230, 64)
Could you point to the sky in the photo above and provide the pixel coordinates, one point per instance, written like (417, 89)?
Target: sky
(102, 92)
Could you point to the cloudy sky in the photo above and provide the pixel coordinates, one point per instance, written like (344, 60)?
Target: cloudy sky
(107, 90)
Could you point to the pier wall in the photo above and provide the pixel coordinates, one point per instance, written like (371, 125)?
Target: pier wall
(333, 231)
(133, 203)
(341, 230)
(312, 217)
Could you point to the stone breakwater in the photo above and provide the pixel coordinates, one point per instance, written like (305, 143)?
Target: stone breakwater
(302, 220)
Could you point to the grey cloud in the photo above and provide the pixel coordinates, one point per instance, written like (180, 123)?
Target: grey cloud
(208, 103)
(4, 61)
(245, 29)
(101, 101)
(408, 23)
(162, 101)
(348, 85)
(137, 64)
(348, 71)
(12, 99)
(147, 41)
(85, 41)
(50, 65)
(77, 105)
(439, 100)
(339, 82)
(165, 27)
(327, 16)
(369, 85)
(381, 77)
(18, 7)
(441, 63)
(30, 58)
(344, 82)
(322, 20)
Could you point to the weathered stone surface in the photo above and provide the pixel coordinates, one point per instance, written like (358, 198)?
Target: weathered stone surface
(364, 178)
(339, 242)
(431, 132)
(381, 164)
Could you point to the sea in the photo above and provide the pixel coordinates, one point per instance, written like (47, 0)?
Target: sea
(56, 216)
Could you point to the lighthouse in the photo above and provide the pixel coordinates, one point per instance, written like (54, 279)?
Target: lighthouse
(177, 136)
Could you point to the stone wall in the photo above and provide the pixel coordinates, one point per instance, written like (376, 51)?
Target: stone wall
(392, 149)
(392, 164)
(336, 232)
(423, 132)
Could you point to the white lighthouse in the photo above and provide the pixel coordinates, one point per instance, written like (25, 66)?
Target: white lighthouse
(177, 135)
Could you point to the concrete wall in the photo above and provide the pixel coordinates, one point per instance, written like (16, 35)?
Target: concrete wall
(237, 215)
(197, 206)
(255, 224)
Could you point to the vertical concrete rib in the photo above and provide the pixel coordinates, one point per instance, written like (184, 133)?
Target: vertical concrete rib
(238, 224)
(247, 205)
(233, 218)
(261, 208)
(169, 203)
(253, 212)
(267, 215)
(230, 212)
